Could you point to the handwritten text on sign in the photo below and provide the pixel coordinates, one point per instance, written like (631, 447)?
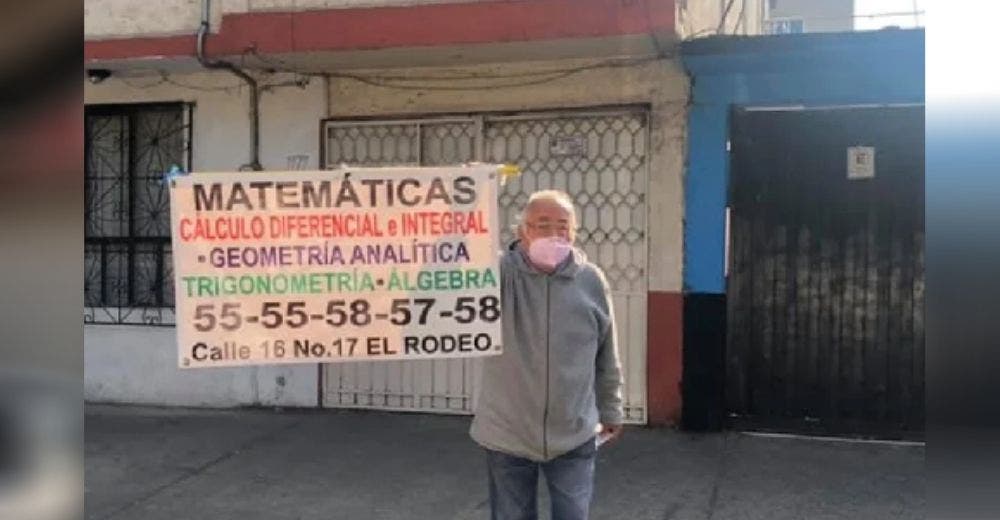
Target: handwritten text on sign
(328, 266)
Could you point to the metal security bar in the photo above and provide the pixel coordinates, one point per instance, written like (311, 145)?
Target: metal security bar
(600, 158)
(441, 386)
(127, 260)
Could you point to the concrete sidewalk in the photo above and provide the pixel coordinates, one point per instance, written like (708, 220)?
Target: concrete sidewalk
(144, 463)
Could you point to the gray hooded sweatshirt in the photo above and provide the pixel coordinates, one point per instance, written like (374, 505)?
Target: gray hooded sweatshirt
(559, 374)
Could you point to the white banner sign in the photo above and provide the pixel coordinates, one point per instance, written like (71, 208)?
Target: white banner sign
(330, 266)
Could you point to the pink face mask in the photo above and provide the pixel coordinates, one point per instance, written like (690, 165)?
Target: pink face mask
(549, 252)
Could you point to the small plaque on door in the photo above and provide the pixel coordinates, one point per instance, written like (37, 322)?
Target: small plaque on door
(567, 145)
(861, 162)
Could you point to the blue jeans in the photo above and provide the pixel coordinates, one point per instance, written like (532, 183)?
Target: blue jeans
(514, 484)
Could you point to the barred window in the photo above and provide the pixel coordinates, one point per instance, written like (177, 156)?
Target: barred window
(127, 260)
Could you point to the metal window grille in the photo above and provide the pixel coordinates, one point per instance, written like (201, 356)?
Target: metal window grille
(127, 259)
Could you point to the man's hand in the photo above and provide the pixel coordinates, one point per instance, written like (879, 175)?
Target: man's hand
(610, 432)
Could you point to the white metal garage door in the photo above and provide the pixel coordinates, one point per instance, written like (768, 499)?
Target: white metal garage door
(599, 157)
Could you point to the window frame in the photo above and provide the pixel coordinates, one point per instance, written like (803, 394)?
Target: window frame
(127, 308)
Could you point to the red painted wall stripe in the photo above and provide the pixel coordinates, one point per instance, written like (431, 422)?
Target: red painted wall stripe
(413, 26)
(665, 322)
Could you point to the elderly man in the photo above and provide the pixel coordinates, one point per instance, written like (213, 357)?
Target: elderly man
(556, 390)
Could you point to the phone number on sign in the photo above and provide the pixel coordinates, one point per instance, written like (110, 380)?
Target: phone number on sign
(339, 313)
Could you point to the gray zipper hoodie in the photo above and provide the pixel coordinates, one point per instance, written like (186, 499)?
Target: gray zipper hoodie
(559, 374)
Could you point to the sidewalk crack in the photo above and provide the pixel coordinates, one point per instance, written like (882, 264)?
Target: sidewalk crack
(719, 475)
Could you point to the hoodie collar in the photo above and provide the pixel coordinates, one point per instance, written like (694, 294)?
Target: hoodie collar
(567, 269)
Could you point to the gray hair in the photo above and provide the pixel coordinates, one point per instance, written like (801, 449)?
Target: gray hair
(557, 196)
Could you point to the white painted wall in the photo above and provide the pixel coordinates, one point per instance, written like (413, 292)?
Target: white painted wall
(289, 115)
(137, 364)
(124, 18)
(660, 84)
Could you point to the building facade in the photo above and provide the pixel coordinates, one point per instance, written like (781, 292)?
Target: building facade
(808, 16)
(588, 96)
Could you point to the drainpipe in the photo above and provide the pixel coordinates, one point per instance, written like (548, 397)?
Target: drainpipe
(254, 163)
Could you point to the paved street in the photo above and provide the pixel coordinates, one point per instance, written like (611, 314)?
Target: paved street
(151, 464)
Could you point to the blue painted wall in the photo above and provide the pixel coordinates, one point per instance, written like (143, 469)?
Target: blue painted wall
(880, 67)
